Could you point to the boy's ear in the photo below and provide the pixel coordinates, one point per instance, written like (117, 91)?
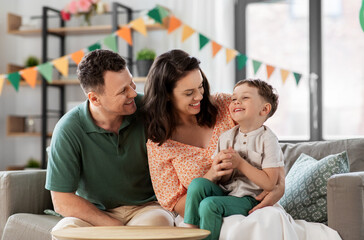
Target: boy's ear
(267, 107)
(93, 98)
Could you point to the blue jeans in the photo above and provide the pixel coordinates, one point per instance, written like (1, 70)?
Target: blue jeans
(207, 204)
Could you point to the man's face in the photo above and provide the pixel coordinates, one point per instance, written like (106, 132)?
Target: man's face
(119, 93)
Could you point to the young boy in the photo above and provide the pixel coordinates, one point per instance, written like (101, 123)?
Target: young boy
(255, 156)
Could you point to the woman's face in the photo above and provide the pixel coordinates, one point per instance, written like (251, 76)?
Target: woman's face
(188, 93)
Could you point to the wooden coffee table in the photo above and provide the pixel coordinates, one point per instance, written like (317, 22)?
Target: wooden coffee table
(131, 233)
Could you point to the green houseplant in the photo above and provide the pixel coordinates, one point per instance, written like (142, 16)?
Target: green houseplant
(145, 58)
(32, 163)
(31, 61)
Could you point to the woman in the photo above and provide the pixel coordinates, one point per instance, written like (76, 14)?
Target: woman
(184, 123)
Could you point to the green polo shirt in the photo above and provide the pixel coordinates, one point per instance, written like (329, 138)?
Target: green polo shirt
(106, 169)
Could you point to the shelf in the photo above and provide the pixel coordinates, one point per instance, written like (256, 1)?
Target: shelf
(15, 68)
(16, 127)
(15, 21)
(139, 79)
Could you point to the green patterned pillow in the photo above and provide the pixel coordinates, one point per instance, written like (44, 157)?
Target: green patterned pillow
(306, 186)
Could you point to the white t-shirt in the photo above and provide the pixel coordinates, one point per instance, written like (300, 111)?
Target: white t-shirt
(259, 147)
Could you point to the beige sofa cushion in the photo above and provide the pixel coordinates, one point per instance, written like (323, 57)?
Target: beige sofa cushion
(320, 149)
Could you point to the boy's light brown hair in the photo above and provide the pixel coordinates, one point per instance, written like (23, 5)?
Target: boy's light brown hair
(265, 90)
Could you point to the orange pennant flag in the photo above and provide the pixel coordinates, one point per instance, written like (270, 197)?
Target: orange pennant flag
(270, 70)
(62, 65)
(125, 33)
(215, 48)
(174, 23)
(2, 80)
(187, 32)
(284, 74)
(139, 25)
(230, 54)
(30, 76)
(77, 56)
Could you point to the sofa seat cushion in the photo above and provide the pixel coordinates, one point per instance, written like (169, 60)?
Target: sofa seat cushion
(306, 191)
(29, 226)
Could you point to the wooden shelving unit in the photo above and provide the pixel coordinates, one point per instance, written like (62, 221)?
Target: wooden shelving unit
(16, 124)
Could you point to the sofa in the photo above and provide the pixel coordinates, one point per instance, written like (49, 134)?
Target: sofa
(23, 198)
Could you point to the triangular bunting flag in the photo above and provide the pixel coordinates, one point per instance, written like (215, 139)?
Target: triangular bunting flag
(297, 76)
(94, 47)
(30, 76)
(284, 74)
(215, 48)
(187, 32)
(61, 64)
(125, 33)
(230, 54)
(154, 13)
(270, 70)
(203, 40)
(256, 66)
(139, 25)
(162, 12)
(46, 70)
(110, 42)
(77, 56)
(242, 59)
(174, 23)
(14, 79)
(2, 80)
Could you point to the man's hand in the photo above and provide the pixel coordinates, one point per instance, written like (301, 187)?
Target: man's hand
(71, 205)
(271, 198)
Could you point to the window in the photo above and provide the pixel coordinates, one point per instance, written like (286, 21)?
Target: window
(278, 35)
(343, 71)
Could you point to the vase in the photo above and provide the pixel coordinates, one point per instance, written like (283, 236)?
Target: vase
(86, 19)
(143, 67)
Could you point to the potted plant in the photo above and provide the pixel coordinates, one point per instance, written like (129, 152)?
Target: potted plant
(31, 61)
(32, 164)
(145, 58)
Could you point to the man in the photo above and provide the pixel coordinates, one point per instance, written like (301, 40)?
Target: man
(98, 171)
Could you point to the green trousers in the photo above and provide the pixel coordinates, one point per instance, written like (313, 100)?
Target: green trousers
(207, 204)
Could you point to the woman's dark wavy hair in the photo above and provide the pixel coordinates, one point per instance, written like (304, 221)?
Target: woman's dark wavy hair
(166, 71)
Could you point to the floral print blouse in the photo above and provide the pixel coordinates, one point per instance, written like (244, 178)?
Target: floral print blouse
(174, 165)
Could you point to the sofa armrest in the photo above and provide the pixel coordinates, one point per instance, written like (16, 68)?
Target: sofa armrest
(22, 192)
(345, 204)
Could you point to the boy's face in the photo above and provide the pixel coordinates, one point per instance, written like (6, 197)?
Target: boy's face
(247, 105)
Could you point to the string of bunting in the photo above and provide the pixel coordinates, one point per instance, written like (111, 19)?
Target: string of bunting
(158, 14)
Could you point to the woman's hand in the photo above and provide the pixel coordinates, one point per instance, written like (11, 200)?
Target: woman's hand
(221, 166)
(271, 198)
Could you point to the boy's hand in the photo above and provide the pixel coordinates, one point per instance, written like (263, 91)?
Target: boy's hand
(233, 157)
(221, 166)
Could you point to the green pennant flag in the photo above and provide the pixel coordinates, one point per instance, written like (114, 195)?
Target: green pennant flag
(46, 69)
(256, 66)
(162, 12)
(241, 59)
(110, 42)
(14, 79)
(203, 41)
(154, 13)
(297, 76)
(94, 47)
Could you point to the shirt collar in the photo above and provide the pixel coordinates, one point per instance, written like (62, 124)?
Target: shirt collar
(254, 132)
